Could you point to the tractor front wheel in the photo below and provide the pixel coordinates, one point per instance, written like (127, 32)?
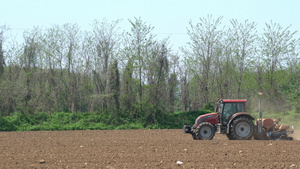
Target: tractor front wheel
(194, 136)
(242, 128)
(205, 131)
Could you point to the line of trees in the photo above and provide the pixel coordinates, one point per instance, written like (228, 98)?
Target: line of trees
(132, 74)
(237, 62)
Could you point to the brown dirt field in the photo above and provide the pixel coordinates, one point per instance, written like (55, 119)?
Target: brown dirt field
(140, 149)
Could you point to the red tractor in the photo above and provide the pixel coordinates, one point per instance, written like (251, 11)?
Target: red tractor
(232, 119)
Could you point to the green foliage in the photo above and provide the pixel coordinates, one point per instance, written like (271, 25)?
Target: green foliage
(208, 107)
(6, 125)
(176, 121)
(19, 119)
(92, 121)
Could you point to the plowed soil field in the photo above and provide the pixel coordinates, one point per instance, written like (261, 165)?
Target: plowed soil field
(141, 149)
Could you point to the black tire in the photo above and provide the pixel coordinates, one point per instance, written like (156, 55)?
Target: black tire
(229, 136)
(242, 128)
(205, 131)
(194, 136)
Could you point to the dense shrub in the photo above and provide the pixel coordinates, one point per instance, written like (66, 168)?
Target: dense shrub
(5, 125)
(92, 121)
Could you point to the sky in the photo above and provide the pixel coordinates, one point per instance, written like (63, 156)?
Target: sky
(170, 18)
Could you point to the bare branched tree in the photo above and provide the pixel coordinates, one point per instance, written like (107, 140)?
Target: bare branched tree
(276, 45)
(3, 29)
(29, 59)
(137, 45)
(242, 37)
(205, 37)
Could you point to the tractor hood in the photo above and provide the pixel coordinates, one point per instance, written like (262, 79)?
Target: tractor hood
(211, 117)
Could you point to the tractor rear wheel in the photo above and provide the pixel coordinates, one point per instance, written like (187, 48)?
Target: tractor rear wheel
(242, 128)
(205, 131)
(229, 136)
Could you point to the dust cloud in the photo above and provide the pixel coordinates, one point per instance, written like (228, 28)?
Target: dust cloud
(295, 135)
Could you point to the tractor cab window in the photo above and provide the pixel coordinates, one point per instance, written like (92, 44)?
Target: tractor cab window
(240, 107)
(228, 111)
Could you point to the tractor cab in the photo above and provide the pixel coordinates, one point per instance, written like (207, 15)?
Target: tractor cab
(226, 109)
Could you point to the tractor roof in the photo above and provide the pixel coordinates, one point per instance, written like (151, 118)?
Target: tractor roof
(234, 100)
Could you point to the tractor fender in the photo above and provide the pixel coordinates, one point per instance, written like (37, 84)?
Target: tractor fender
(235, 116)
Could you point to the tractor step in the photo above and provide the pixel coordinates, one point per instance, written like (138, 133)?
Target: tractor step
(220, 129)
